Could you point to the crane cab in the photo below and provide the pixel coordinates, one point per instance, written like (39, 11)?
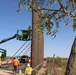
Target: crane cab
(3, 52)
(24, 35)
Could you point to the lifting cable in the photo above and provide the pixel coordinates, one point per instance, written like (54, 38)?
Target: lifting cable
(24, 49)
(20, 48)
(28, 52)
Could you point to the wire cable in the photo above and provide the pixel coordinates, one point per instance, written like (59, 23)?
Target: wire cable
(20, 48)
(24, 49)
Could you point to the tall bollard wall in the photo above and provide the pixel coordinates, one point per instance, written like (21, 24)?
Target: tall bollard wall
(37, 41)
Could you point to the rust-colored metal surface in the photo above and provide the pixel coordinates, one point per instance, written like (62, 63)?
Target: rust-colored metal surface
(37, 41)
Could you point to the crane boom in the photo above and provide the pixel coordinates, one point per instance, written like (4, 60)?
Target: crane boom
(24, 35)
(7, 39)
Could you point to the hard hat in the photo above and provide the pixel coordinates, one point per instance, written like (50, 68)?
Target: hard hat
(15, 57)
(29, 26)
(28, 65)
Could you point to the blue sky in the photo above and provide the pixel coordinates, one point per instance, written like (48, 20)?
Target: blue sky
(11, 21)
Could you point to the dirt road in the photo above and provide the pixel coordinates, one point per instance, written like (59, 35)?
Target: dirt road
(6, 69)
(7, 72)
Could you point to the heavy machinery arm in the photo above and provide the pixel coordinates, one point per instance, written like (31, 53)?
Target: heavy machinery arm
(7, 39)
(24, 36)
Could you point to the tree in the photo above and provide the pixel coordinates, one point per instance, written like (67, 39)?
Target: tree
(52, 13)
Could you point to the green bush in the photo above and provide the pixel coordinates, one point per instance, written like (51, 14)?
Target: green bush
(58, 62)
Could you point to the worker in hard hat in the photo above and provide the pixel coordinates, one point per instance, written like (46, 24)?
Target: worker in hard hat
(29, 32)
(28, 70)
(15, 64)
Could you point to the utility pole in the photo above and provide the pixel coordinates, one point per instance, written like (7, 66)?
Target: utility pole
(37, 42)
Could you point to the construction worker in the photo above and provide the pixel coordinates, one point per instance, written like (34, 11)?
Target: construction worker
(15, 64)
(29, 32)
(29, 28)
(28, 70)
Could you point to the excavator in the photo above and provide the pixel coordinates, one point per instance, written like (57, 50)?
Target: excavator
(22, 35)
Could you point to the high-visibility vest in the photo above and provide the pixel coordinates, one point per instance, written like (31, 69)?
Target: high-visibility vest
(15, 62)
(28, 70)
(29, 28)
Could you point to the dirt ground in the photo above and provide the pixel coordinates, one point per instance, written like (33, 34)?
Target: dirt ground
(6, 69)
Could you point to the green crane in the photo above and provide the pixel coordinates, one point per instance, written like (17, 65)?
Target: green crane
(22, 35)
(3, 52)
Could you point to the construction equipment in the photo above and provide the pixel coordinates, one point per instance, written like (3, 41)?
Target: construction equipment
(3, 52)
(24, 35)
(21, 35)
(24, 59)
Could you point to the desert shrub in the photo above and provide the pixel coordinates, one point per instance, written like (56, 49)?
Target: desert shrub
(58, 62)
(48, 59)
